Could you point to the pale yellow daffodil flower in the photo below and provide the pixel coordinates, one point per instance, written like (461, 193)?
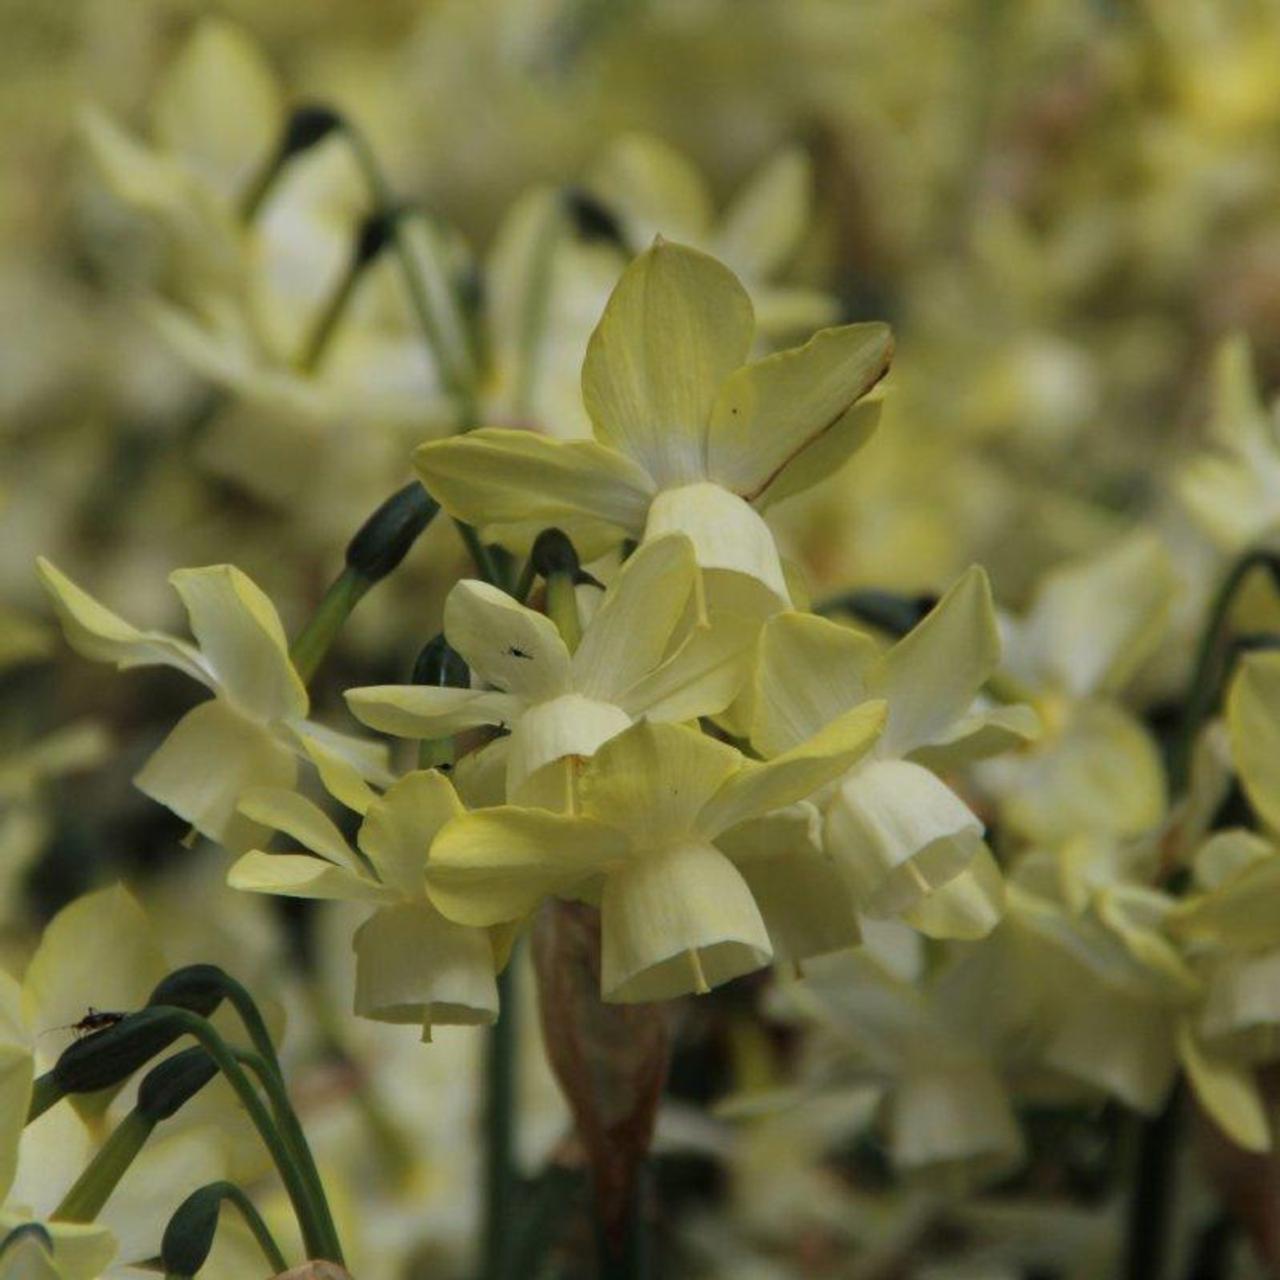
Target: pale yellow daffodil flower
(641, 654)
(254, 729)
(654, 805)
(689, 437)
(412, 965)
(898, 833)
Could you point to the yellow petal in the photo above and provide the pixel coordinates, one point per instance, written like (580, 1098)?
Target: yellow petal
(346, 764)
(218, 108)
(398, 829)
(734, 547)
(968, 907)
(506, 645)
(498, 864)
(299, 875)
(808, 671)
(421, 711)
(899, 834)
(932, 675)
(1253, 717)
(212, 757)
(287, 811)
(499, 477)
(757, 787)
(1239, 913)
(241, 638)
(414, 966)
(1227, 1091)
(97, 633)
(1240, 1017)
(766, 219)
(676, 326)
(806, 904)
(770, 410)
(677, 920)
(824, 455)
(629, 634)
(653, 781)
(17, 1070)
(701, 678)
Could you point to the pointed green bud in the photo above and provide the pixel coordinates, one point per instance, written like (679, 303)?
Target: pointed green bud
(166, 1088)
(553, 553)
(110, 1057)
(441, 665)
(201, 988)
(309, 125)
(384, 539)
(593, 219)
(188, 1239)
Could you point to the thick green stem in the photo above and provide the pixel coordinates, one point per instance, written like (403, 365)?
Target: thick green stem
(313, 642)
(562, 609)
(93, 1188)
(499, 1123)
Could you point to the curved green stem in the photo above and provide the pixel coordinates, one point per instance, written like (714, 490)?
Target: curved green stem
(1205, 684)
(308, 650)
(315, 1233)
(253, 1220)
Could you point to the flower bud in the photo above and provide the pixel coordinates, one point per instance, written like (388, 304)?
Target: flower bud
(165, 1089)
(441, 665)
(188, 1239)
(384, 539)
(592, 218)
(110, 1057)
(309, 125)
(200, 988)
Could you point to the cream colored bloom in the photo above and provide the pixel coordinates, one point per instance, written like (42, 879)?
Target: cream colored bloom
(689, 438)
(895, 829)
(412, 965)
(254, 729)
(640, 655)
(678, 900)
(658, 191)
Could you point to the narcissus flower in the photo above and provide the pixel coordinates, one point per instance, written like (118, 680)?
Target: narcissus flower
(252, 732)
(412, 965)
(641, 654)
(659, 841)
(895, 829)
(689, 438)
(1091, 626)
(656, 190)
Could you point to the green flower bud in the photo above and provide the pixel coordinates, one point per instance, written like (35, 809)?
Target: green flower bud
(309, 125)
(201, 988)
(165, 1089)
(439, 664)
(110, 1057)
(553, 553)
(384, 539)
(188, 1239)
(592, 218)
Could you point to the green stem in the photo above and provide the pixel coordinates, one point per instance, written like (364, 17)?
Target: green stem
(313, 642)
(524, 584)
(253, 1220)
(308, 359)
(1146, 1245)
(93, 1188)
(484, 562)
(1205, 684)
(268, 1073)
(316, 1234)
(500, 1076)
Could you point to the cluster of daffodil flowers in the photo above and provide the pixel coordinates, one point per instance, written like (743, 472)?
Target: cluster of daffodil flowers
(973, 861)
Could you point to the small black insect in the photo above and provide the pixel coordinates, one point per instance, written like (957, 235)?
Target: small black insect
(519, 653)
(94, 1020)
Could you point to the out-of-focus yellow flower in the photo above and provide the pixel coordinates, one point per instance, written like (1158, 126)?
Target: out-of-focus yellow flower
(252, 731)
(641, 654)
(412, 964)
(1096, 768)
(1233, 489)
(689, 438)
(659, 192)
(897, 832)
(677, 914)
